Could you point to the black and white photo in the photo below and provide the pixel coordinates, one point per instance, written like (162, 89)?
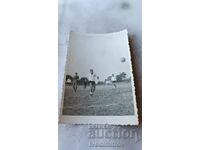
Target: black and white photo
(98, 77)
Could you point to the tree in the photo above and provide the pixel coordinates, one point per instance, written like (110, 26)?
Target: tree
(123, 75)
(83, 80)
(120, 77)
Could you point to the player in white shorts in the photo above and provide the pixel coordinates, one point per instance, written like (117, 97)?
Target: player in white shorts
(91, 79)
(113, 79)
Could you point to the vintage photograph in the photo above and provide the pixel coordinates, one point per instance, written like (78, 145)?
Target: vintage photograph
(98, 78)
(96, 72)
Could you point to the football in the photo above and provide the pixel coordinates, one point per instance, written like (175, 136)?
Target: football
(123, 59)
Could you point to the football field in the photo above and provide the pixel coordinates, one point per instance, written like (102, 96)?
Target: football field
(107, 100)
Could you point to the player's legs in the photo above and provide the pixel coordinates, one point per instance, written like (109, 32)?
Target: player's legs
(115, 85)
(85, 84)
(93, 87)
(75, 86)
(90, 83)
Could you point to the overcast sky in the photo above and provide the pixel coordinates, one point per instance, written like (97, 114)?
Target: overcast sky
(101, 52)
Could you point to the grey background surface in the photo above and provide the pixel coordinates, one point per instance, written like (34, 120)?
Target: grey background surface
(96, 16)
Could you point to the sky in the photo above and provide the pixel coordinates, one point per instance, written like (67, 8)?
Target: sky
(100, 52)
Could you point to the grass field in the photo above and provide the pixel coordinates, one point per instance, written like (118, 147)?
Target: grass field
(106, 100)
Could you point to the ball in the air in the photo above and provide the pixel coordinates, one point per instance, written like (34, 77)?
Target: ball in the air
(123, 59)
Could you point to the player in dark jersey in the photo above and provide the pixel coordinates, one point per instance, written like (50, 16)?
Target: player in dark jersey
(75, 81)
